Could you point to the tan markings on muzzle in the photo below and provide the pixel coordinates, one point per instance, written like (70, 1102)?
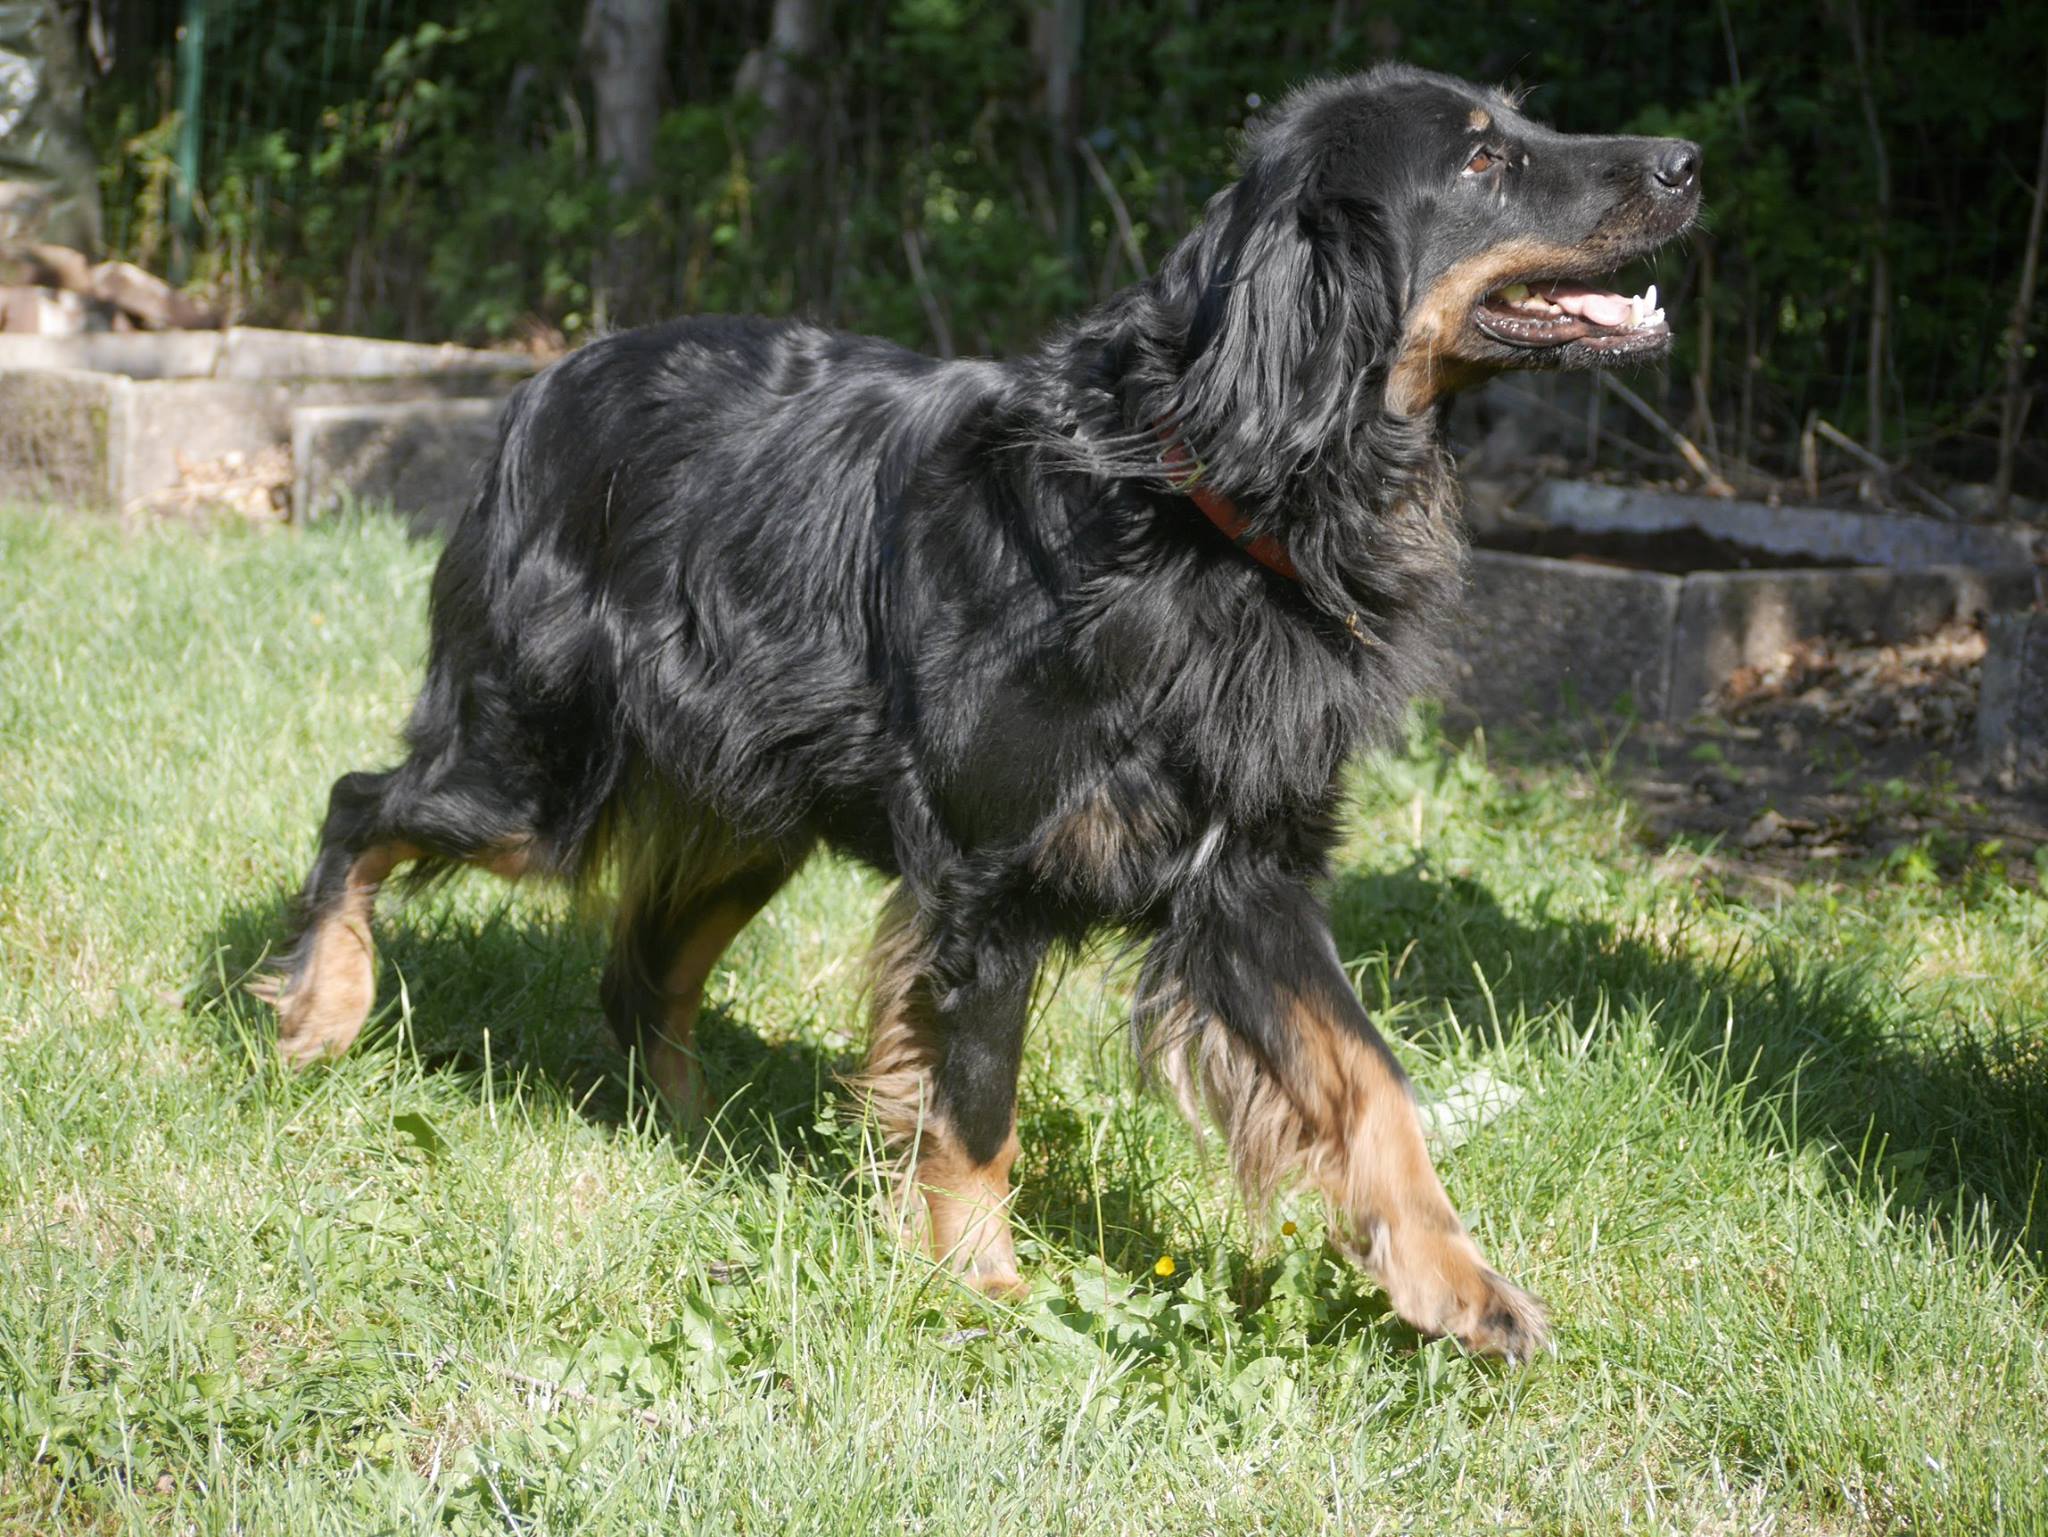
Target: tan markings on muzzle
(1428, 365)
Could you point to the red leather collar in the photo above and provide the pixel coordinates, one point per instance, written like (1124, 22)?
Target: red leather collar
(1186, 471)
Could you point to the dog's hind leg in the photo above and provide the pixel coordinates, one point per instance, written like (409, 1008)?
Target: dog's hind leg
(326, 983)
(941, 1082)
(1261, 1021)
(678, 910)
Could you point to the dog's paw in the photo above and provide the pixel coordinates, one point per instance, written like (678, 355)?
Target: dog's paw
(1438, 1282)
(323, 999)
(306, 1033)
(679, 1079)
(999, 1281)
(1501, 1319)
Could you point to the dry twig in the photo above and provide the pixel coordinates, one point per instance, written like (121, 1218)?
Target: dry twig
(1870, 461)
(1687, 449)
(942, 333)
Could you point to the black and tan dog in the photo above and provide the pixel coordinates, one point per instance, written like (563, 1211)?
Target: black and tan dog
(1071, 642)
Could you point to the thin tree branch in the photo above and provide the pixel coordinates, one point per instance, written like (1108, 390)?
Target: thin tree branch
(1880, 257)
(1100, 173)
(1866, 458)
(1687, 449)
(942, 333)
(1597, 432)
(1734, 69)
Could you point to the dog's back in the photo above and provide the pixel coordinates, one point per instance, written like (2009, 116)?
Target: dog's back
(691, 544)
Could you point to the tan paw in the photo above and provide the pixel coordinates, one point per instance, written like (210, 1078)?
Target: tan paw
(321, 1007)
(1502, 1320)
(998, 1281)
(1437, 1281)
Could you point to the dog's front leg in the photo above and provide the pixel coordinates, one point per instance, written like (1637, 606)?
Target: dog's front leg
(1252, 1011)
(941, 1081)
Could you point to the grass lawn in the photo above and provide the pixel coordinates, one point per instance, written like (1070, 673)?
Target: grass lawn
(1777, 1167)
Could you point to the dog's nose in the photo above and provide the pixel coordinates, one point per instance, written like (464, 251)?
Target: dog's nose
(1677, 163)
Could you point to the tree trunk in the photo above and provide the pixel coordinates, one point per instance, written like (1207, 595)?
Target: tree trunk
(2012, 414)
(780, 76)
(1056, 28)
(1880, 254)
(625, 48)
(788, 152)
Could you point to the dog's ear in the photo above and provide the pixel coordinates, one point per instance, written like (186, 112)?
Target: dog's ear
(1291, 321)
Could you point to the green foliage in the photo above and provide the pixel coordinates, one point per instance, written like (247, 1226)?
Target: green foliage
(435, 176)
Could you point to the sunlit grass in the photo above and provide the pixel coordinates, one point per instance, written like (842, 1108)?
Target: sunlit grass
(1778, 1171)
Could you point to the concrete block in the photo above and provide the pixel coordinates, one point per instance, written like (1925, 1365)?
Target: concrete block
(104, 419)
(62, 436)
(252, 352)
(1830, 535)
(206, 418)
(1731, 619)
(104, 440)
(2012, 706)
(128, 354)
(1542, 637)
(420, 456)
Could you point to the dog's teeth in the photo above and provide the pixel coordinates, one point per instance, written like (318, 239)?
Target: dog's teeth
(1515, 293)
(1650, 299)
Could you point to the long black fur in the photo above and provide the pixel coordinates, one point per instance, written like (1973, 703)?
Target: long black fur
(805, 587)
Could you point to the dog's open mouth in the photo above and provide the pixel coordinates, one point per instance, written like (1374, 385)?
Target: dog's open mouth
(1555, 314)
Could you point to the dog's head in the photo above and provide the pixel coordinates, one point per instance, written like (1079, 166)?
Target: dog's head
(1503, 228)
(1399, 235)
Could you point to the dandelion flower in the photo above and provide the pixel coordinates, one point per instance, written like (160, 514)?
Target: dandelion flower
(1165, 1267)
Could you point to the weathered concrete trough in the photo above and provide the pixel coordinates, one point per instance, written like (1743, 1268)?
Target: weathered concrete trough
(420, 457)
(1762, 535)
(107, 419)
(1599, 599)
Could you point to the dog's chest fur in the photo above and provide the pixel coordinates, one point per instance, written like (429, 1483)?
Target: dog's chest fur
(1146, 742)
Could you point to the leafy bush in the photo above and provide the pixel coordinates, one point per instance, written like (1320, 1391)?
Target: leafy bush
(435, 176)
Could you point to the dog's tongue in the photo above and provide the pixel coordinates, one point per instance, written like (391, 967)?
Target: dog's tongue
(1592, 305)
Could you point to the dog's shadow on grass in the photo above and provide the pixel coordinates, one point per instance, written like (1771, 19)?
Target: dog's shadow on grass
(1939, 1121)
(508, 995)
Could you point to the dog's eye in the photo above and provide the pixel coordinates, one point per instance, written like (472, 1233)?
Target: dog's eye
(1482, 161)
